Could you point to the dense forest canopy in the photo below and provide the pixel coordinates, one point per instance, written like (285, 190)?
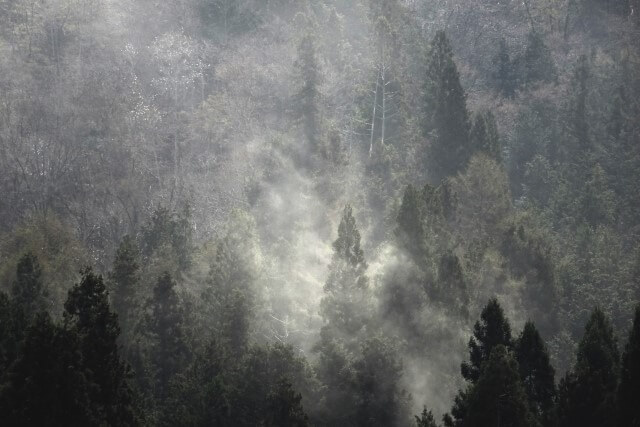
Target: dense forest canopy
(320, 212)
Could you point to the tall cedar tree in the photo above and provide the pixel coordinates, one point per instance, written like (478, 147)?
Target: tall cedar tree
(29, 295)
(505, 73)
(491, 330)
(124, 280)
(410, 231)
(498, 399)
(344, 309)
(537, 374)
(452, 287)
(446, 119)
(484, 136)
(587, 395)
(426, 419)
(538, 63)
(629, 389)
(169, 351)
(284, 407)
(87, 313)
(47, 385)
(308, 95)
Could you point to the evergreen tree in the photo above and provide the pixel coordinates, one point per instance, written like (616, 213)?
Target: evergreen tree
(87, 314)
(308, 95)
(8, 344)
(284, 407)
(168, 351)
(47, 385)
(538, 63)
(410, 228)
(587, 394)
(498, 399)
(491, 330)
(124, 280)
(505, 73)
(426, 419)
(452, 288)
(446, 119)
(537, 374)
(629, 389)
(28, 293)
(381, 400)
(579, 120)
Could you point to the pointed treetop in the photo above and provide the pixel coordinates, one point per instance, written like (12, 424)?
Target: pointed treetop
(347, 245)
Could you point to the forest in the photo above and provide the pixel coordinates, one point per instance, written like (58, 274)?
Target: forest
(290, 213)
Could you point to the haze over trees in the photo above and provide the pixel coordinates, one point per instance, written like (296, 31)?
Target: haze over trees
(327, 213)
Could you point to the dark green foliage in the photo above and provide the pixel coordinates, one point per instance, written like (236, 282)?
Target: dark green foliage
(8, 344)
(587, 394)
(224, 388)
(537, 374)
(537, 61)
(426, 419)
(505, 73)
(629, 389)
(165, 326)
(124, 281)
(380, 398)
(490, 331)
(28, 293)
(579, 120)
(347, 246)
(410, 229)
(48, 384)
(284, 407)
(167, 229)
(452, 287)
(498, 399)
(446, 119)
(87, 314)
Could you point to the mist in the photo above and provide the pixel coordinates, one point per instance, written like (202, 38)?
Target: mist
(331, 212)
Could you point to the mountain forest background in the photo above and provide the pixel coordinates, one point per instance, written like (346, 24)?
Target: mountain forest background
(327, 212)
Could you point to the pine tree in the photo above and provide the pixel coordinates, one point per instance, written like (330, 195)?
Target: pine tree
(491, 330)
(452, 288)
(381, 400)
(537, 374)
(168, 351)
(284, 407)
(28, 293)
(587, 394)
(505, 73)
(446, 119)
(579, 120)
(426, 419)
(124, 280)
(410, 228)
(344, 308)
(498, 399)
(47, 385)
(87, 313)
(537, 61)
(629, 389)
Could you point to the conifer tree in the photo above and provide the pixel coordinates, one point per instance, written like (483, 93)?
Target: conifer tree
(629, 389)
(410, 228)
(505, 73)
(446, 119)
(169, 351)
(537, 61)
(426, 419)
(124, 280)
(499, 399)
(587, 394)
(47, 385)
(484, 135)
(284, 407)
(87, 313)
(452, 288)
(491, 330)
(537, 374)
(28, 293)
